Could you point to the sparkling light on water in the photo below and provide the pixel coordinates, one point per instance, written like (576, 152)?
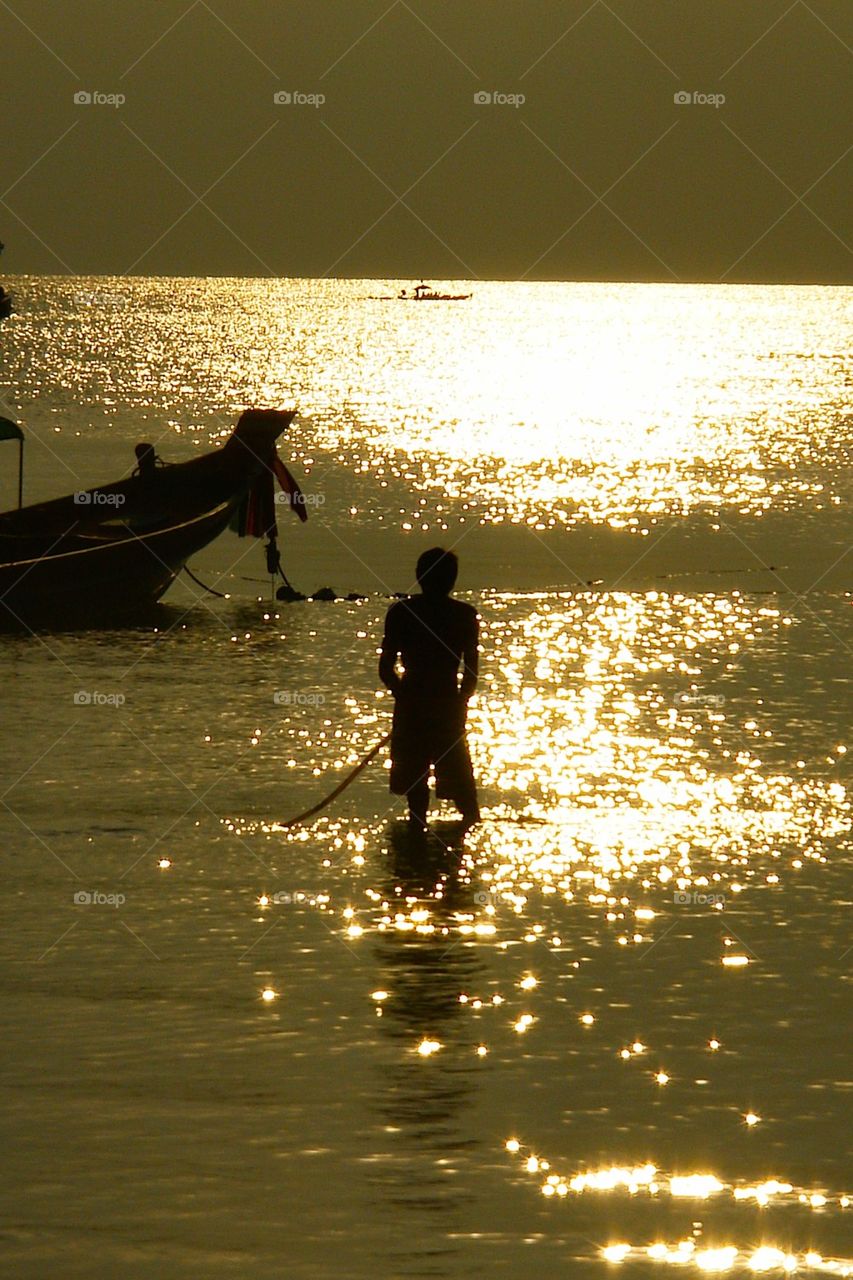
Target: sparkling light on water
(604, 964)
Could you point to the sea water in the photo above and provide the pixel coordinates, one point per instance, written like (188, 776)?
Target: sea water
(609, 1028)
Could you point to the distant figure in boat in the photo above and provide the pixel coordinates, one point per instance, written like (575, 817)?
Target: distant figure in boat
(147, 461)
(432, 635)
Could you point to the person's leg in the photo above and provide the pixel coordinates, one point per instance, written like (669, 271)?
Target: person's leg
(470, 808)
(467, 803)
(455, 780)
(409, 775)
(418, 798)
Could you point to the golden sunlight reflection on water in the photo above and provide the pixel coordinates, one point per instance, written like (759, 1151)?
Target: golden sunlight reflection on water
(557, 405)
(635, 787)
(648, 1180)
(544, 405)
(616, 728)
(615, 1005)
(728, 1257)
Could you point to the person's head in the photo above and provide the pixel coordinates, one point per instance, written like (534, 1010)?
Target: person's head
(436, 571)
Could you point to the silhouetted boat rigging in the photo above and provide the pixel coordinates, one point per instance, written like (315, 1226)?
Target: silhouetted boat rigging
(110, 551)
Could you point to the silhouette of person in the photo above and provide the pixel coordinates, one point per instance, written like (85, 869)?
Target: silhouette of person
(431, 634)
(147, 461)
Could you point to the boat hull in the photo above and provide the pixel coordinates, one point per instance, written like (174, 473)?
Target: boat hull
(115, 579)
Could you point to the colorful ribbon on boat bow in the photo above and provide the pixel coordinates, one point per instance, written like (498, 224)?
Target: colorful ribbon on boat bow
(291, 488)
(256, 515)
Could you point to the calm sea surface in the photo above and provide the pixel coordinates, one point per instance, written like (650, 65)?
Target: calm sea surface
(608, 1033)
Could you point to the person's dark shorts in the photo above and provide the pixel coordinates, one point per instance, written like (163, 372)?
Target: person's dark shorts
(429, 737)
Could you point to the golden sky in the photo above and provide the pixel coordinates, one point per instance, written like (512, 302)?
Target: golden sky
(619, 139)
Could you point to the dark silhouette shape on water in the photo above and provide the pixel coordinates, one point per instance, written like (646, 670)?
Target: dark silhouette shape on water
(147, 461)
(432, 635)
(5, 298)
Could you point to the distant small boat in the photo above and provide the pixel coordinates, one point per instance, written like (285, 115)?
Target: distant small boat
(108, 552)
(425, 293)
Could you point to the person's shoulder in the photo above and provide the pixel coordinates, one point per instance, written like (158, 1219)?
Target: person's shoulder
(399, 611)
(466, 613)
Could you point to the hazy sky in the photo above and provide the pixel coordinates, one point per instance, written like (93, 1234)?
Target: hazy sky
(597, 174)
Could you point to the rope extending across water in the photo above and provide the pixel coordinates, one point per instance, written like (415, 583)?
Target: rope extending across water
(342, 786)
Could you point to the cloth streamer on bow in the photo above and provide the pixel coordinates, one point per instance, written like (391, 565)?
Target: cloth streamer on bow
(291, 488)
(255, 516)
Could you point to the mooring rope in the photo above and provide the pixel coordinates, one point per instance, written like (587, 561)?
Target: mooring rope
(204, 587)
(351, 777)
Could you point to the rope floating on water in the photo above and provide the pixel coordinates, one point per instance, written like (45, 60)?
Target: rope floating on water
(351, 777)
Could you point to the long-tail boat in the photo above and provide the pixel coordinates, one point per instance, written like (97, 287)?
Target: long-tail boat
(103, 553)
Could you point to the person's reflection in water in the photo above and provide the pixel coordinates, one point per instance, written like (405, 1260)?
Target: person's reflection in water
(426, 1107)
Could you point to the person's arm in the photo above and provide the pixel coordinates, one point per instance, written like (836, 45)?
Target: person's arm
(388, 655)
(470, 659)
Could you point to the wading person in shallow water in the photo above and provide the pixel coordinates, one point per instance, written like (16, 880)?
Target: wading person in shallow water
(433, 635)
